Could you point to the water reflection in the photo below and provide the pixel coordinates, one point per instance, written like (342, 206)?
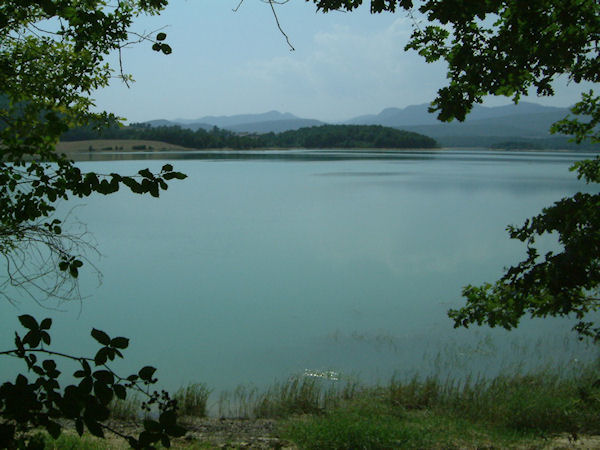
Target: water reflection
(263, 264)
(297, 155)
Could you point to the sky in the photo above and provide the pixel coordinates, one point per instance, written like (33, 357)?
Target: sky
(225, 63)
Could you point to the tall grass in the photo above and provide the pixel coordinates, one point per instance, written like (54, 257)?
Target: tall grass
(544, 401)
(297, 395)
(192, 400)
(432, 412)
(128, 410)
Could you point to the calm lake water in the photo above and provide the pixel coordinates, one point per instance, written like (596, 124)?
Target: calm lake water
(263, 265)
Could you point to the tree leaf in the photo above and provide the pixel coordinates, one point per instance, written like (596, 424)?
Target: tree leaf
(79, 426)
(103, 393)
(120, 391)
(101, 356)
(46, 324)
(152, 426)
(53, 429)
(29, 322)
(94, 428)
(45, 338)
(175, 430)
(146, 373)
(101, 336)
(119, 342)
(104, 376)
(168, 418)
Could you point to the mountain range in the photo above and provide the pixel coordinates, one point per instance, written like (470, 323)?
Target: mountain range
(484, 126)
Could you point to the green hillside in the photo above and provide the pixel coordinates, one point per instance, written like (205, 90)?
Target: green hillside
(325, 136)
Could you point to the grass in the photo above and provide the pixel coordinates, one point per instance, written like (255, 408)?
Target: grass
(127, 410)
(297, 395)
(543, 402)
(114, 145)
(517, 410)
(505, 411)
(191, 400)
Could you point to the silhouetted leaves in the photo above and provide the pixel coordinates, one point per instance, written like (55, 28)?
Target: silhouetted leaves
(146, 373)
(42, 402)
(101, 336)
(29, 322)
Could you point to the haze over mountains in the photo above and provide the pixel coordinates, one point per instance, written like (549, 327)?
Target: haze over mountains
(484, 126)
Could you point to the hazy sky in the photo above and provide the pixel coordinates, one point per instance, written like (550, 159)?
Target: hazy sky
(225, 62)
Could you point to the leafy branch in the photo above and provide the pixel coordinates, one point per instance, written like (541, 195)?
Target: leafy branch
(25, 404)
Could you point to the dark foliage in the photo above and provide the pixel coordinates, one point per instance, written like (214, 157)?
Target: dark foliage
(325, 136)
(37, 399)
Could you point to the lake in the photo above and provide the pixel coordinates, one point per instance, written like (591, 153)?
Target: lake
(262, 265)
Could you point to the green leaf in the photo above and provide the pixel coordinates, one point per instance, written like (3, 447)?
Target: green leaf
(29, 322)
(79, 426)
(32, 338)
(94, 428)
(147, 438)
(120, 391)
(166, 49)
(168, 418)
(161, 36)
(146, 173)
(46, 324)
(176, 175)
(49, 365)
(53, 429)
(119, 342)
(103, 392)
(152, 426)
(45, 337)
(86, 385)
(167, 168)
(146, 373)
(175, 430)
(104, 376)
(101, 356)
(100, 336)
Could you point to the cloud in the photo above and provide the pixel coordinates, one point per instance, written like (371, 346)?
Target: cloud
(346, 73)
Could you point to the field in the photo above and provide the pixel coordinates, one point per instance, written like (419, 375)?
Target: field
(113, 145)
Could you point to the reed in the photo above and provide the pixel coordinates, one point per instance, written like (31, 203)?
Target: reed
(192, 400)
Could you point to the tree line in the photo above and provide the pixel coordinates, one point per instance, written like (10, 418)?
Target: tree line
(325, 136)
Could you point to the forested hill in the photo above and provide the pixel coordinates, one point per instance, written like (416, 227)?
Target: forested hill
(325, 136)
(350, 136)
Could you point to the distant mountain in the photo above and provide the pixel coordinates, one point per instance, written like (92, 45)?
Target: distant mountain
(484, 125)
(524, 125)
(396, 117)
(272, 121)
(275, 126)
(240, 119)
(417, 115)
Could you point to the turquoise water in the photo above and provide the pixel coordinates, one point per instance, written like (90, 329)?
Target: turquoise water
(265, 264)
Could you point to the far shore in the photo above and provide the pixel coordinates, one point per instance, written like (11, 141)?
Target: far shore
(124, 149)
